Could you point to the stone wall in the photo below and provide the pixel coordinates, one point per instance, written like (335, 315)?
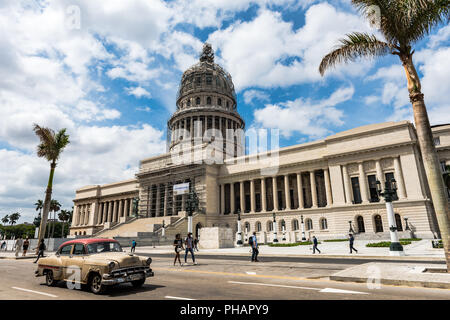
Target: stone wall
(216, 238)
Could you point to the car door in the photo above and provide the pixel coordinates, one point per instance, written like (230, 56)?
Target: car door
(61, 256)
(75, 264)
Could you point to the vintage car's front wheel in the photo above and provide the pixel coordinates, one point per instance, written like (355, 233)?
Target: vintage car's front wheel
(50, 279)
(96, 285)
(138, 283)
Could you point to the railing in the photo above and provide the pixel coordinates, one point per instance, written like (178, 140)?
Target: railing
(114, 227)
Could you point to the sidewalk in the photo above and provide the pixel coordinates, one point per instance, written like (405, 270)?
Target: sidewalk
(399, 274)
(12, 255)
(419, 250)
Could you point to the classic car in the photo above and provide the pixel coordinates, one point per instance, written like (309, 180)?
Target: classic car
(97, 263)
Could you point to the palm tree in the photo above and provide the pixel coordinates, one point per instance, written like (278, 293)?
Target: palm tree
(5, 219)
(402, 24)
(39, 205)
(13, 218)
(64, 216)
(51, 146)
(55, 206)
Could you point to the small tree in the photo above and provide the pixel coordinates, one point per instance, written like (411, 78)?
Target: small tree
(13, 218)
(5, 219)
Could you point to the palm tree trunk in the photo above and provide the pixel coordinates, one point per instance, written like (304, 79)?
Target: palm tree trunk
(429, 154)
(48, 197)
(62, 230)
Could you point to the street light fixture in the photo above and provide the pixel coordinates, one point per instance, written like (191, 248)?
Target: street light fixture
(239, 230)
(191, 206)
(407, 228)
(303, 229)
(390, 194)
(136, 206)
(275, 240)
(351, 228)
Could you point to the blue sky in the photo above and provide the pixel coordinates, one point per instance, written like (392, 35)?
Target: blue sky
(108, 71)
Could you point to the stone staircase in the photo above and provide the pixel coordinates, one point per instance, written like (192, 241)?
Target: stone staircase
(180, 226)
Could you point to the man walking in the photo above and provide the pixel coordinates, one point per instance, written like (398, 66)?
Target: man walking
(133, 246)
(315, 245)
(41, 250)
(196, 244)
(189, 242)
(351, 240)
(18, 245)
(253, 242)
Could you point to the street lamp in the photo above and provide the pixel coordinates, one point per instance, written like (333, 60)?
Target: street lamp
(163, 231)
(406, 224)
(275, 240)
(351, 228)
(136, 206)
(191, 206)
(303, 229)
(239, 231)
(389, 194)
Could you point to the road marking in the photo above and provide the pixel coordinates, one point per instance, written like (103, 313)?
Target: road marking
(250, 272)
(331, 290)
(37, 292)
(273, 285)
(177, 298)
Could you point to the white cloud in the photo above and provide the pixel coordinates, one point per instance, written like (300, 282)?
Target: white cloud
(310, 118)
(138, 92)
(251, 95)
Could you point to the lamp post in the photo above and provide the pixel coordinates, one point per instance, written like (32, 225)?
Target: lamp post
(136, 206)
(284, 232)
(351, 228)
(389, 194)
(163, 231)
(239, 230)
(303, 229)
(191, 206)
(406, 224)
(275, 240)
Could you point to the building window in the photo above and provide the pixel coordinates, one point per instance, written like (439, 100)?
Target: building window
(219, 102)
(356, 190)
(197, 101)
(323, 224)
(437, 141)
(373, 188)
(309, 224)
(189, 102)
(269, 226)
(258, 226)
(398, 222)
(378, 223)
(208, 79)
(198, 80)
(360, 223)
(208, 101)
(295, 225)
(443, 167)
(228, 105)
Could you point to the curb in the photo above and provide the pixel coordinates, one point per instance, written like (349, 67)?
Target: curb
(19, 258)
(396, 282)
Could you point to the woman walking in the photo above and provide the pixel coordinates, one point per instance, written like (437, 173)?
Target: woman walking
(26, 244)
(178, 245)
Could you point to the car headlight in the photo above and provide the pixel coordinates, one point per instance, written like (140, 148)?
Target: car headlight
(111, 265)
(148, 261)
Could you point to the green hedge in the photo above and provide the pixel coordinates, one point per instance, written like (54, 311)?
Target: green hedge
(384, 244)
(411, 239)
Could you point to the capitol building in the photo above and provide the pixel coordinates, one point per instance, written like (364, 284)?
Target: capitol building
(327, 184)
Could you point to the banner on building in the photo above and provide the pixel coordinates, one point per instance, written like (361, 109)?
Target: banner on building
(181, 188)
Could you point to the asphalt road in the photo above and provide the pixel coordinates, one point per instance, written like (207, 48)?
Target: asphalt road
(214, 279)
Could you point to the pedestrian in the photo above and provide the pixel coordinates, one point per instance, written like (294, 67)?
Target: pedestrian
(41, 249)
(196, 244)
(178, 244)
(253, 242)
(315, 242)
(351, 240)
(189, 242)
(3, 247)
(18, 245)
(133, 246)
(26, 244)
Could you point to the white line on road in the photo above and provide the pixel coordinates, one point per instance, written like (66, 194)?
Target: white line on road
(178, 298)
(272, 285)
(37, 292)
(331, 290)
(250, 272)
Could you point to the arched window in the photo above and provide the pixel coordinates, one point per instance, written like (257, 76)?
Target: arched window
(295, 225)
(189, 102)
(378, 223)
(208, 100)
(360, 222)
(247, 226)
(258, 226)
(323, 224)
(309, 224)
(219, 102)
(228, 105)
(398, 222)
(269, 226)
(197, 100)
(75, 233)
(84, 233)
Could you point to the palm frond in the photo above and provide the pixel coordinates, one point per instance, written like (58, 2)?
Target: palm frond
(356, 45)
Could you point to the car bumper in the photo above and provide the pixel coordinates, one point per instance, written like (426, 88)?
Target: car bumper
(128, 278)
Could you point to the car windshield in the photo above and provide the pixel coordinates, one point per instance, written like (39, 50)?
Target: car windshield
(104, 247)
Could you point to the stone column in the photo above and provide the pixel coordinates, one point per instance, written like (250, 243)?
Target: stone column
(347, 186)
(88, 212)
(109, 217)
(380, 175)
(399, 179)
(125, 207)
(105, 212)
(252, 196)
(166, 190)
(158, 200)
(363, 183)
(100, 212)
(232, 198)
(116, 205)
(222, 198)
(242, 196)
(183, 202)
(120, 213)
(174, 203)
(130, 209)
(287, 193)
(312, 178)
(275, 193)
(263, 195)
(75, 216)
(328, 187)
(301, 201)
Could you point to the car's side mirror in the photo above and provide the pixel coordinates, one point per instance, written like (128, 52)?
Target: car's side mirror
(57, 254)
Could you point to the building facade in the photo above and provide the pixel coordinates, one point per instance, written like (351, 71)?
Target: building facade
(328, 184)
